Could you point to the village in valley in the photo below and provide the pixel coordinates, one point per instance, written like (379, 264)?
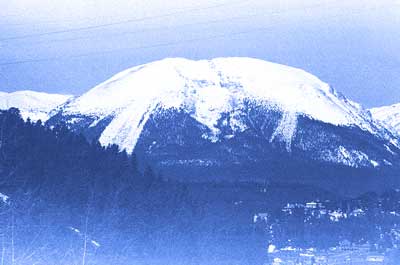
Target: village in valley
(359, 231)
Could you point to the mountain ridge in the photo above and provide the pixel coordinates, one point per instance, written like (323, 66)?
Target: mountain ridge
(389, 116)
(224, 101)
(33, 105)
(214, 83)
(227, 112)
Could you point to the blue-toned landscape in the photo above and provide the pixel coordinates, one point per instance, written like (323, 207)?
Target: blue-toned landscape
(210, 142)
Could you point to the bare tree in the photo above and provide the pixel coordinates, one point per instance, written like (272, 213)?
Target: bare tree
(3, 249)
(12, 236)
(85, 237)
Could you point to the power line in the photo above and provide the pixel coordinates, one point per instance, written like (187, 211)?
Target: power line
(11, 15)
(138, 31)
(135, 48)
(55, 21)
(182, 25)
(159, 45)
(45, 22)
(105, 25)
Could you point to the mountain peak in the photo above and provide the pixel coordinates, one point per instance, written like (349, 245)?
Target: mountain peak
(208, 88)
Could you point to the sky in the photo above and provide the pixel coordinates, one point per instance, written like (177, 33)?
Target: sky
(70, 46)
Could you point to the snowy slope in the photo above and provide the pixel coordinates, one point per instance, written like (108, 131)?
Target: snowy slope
(389, 116)
(205, 89)
(35, 105)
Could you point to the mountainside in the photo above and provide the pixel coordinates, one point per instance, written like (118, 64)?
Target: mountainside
(33, 105)
(236, 117)
(54, 180)
(389, 116)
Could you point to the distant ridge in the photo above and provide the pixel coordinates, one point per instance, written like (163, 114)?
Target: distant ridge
(33, 105)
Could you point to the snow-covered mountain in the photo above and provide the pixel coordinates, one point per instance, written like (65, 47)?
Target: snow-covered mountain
(238, 117)
(33, 105)
(389, 116)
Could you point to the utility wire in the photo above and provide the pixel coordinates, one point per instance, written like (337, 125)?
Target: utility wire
(137, 31)
(159, 45)
(167, 27)
(122, 22)
(57, 21)
(166, 44)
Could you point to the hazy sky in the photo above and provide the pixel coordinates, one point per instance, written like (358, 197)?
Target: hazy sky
(70, 46)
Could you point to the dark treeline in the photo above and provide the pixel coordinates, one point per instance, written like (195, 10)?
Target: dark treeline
(75, 202)
(66, 201)
(56, 163)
